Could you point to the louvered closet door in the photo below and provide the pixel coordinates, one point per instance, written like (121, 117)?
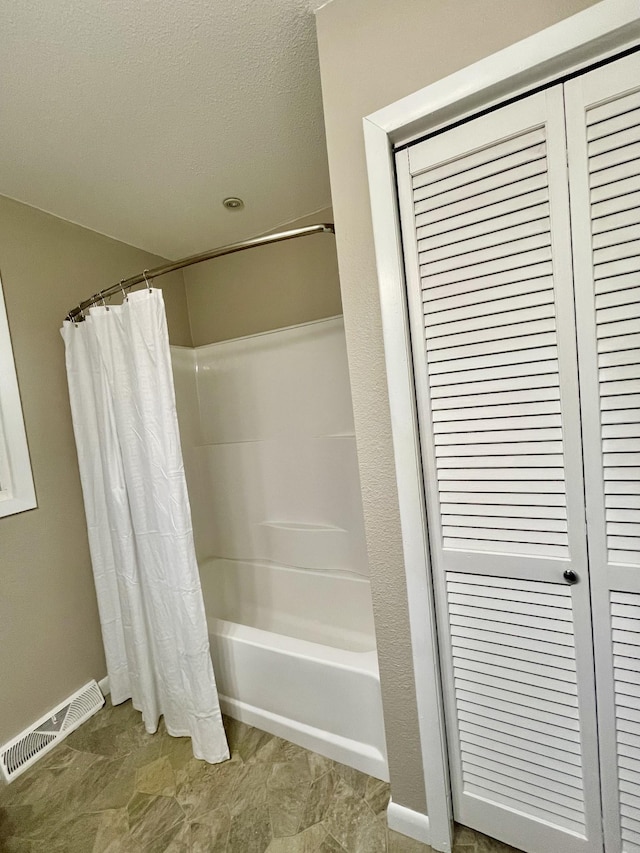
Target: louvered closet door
(603, 127)
(484, 211)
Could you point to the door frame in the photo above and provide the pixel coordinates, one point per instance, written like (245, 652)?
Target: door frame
(598, 33)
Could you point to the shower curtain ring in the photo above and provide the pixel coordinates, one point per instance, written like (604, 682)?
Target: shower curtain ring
(104, 304)
(144, 275)
(125, 296)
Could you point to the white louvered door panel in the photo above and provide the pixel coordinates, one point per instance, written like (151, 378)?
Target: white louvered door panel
(484, 210)
(603, 127)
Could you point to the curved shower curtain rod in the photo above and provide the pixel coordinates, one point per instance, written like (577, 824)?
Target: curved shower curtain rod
(77, 313)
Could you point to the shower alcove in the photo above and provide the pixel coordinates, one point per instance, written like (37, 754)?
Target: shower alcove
(269, 450)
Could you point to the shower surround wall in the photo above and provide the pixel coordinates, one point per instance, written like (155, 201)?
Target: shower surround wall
(269, 448)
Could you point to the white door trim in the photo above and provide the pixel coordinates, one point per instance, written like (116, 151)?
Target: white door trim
(595, 34)
(602, 31)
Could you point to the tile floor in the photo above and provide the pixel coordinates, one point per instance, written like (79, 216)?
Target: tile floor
(112, 788)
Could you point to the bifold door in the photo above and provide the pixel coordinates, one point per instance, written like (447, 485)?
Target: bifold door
(603, 128)
(486, 229)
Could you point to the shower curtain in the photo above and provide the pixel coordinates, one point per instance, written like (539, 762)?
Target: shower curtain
(138, 518)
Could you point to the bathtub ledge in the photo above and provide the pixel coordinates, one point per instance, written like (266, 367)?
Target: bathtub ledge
(363, 757)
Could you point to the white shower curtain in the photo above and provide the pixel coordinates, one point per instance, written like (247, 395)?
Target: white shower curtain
(139, 523)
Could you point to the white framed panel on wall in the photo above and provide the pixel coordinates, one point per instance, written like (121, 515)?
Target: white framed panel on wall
(17, 493)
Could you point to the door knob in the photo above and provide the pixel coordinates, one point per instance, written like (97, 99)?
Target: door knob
(570, 576)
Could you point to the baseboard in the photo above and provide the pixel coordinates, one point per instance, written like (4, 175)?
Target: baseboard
(408, 822)
(104, 685)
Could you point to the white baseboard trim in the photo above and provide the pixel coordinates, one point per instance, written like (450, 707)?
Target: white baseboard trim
(408, 822)
(104, 685)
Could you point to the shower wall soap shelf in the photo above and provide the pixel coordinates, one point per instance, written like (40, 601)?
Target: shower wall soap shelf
(308, 546)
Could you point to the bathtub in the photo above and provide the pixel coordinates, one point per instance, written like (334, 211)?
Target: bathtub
(294, 654)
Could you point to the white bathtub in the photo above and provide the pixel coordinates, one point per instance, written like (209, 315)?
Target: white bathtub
(281, 665)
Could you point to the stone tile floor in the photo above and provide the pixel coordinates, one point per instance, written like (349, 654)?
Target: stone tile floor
(112, 788)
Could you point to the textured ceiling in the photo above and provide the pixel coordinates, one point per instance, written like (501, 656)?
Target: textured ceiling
(137, 117)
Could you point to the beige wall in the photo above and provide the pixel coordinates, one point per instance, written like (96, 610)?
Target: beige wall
(373, 52)
(265, 288)
(49, 634)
